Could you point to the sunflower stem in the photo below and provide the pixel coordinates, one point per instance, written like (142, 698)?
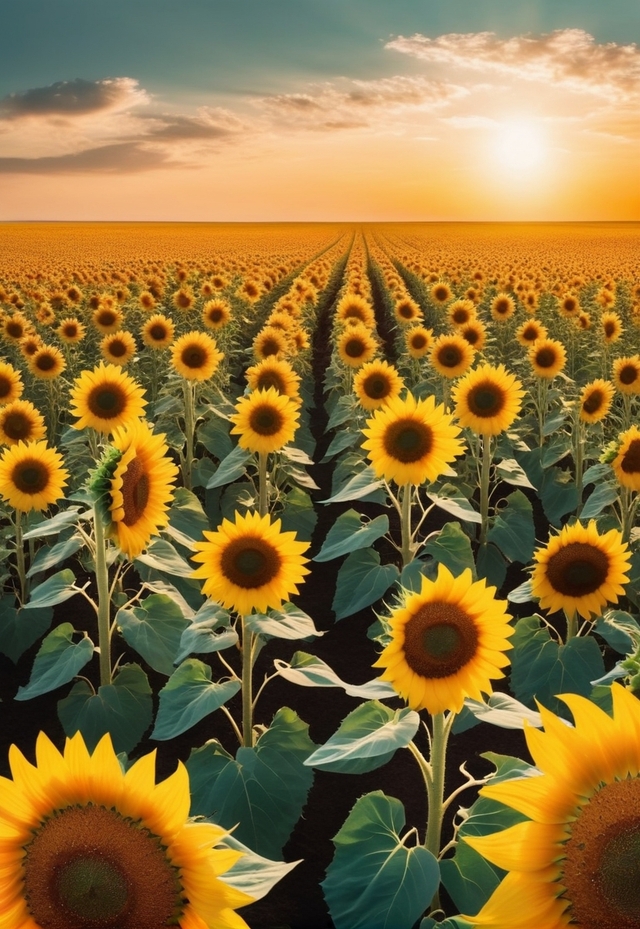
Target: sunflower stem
(435, 787)
(484, 487)
(405, 525)
(578, 457)
(543, 387)
(628, 511)
(572, 625)
(20, 560)
(247, 686)
(263, 496)
(189, 429)
(104, 600)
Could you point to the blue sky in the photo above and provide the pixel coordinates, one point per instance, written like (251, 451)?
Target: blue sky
(159, 87)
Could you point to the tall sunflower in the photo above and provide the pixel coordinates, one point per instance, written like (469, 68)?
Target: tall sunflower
(530, 331)
(133, 486)
(461, 312)
(11, 385)
(265, 420)
(418, 341)
(216, 314)
(86, 845)
(356, 345)
(626, 464)
(411, 441)
(407, 311)
(547, 357)
(574, 861)
(118, 348)
(195, 356)
(270, 342)
(451, 355)
(107, 319)
(595, 400)
(612, 327)
(47, 362)
(502, 307)
(376, 383)
(71, 330)
(158, 331)
(276, 373)
(447, 642)
(626, 374)
(20, 421)
(31, 476)
(487, 399)
(250, 564)
(106, 398)
(580, 570)
(354, 307)
(475, 333)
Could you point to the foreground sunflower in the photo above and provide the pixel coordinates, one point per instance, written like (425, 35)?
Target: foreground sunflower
(134, 486)
(31, 476)
(487, 399)
(595, 400)
(447, 642)
(626, 464)
(574, 861)
(276, 373)
(376, 383)
(265, 420)
(195, 356)
(86, 846)
(106, 398)
(11, 385)
(250, 564)
(411, 441)
(20, 421)
(626, 374)
(580, 570)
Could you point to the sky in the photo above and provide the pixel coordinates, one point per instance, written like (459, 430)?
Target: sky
(320, 110)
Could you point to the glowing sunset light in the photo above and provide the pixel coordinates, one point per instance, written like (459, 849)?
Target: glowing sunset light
(519, 148)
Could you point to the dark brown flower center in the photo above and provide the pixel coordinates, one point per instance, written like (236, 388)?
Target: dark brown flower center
(87, 867)
(593, 402)
(135, 492)
(601, 871)
(18, 426)
(31, 476)
(609, 327)
(158, 332)
(45, 361)
(355, 347)
(250, 562)
(530, 333)
(471, 335)
(406, 311)
(546, 357)
(194, 356)
(449, 356)
(106, 318)
(408, 440)
(117, 348)
(630, 463)
(377, 386)
(418, 340)
(269, 379)
(14, 329)
(439, 640)
(460, 316)
(270, 346)
(215, 315)
(6, 386)
(183, 300)
(577, 569)
(486, 399)
(569, 305)
(628, 374)
(107, 401)
(501, 307)
(441, 294)
(265, 420)
(70, 330)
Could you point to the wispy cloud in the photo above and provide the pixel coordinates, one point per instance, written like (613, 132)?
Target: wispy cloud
(74, 98)
(127, 157)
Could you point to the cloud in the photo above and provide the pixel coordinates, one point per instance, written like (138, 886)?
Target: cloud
(568, 57)
(211, 123)
(129, 157)
(74, 98)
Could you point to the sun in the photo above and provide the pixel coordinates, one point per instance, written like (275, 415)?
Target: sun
(518, 147)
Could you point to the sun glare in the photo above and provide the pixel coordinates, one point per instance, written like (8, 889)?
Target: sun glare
(518, 148)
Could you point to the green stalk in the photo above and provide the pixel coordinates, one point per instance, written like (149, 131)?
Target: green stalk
(578, 457)
(435, 787)
(247, 686)
(405, 525)
(104, 600)
(572, 625)
(263, 496)
(20, 560)
(189, 428)
(484, 487)
(543, 387)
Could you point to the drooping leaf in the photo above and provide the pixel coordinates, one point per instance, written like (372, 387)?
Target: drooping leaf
(298, 514)
(512, 473)
(164, 557)
(154, 629)
(349, 533)
(356, 487)
(252, 873)
(55, 589)
(513, 530)
(208, 632)
(58, 660)
(311, 671)
(230, 468)
(188, 696)
(618, 629)
(450, 499)
(288, 623)
(186, 516)
(54, 524)
(48, 556)
(361, 581)
(491, 565)
(599, 499)
(452, 548)
(19, 630)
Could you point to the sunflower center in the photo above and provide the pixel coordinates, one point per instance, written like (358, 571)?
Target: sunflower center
(194, 356)
(117, 348)
(215, 315)
(106, 318)
(628, 374)
(602, 867)
(407, 440)
(30, 476)
(270, 379)
(609, 327)
(471, 336)
(460, 316)
(418, 340)
(439, 640)
(250, 562)
(87, 867)
(546, 358)
(630, 463)
(5, 386)
(354, 348)
(485, 399)
(45, 362)
(270, 346)
(106, 401)
(265, 420)
(441, 294)
(135, 492)
(593, 402)
(17, 426)
(450, 356)
(70, 330)
(376, 386)
(577, 569)
(501, 307)
(158, 332)
(530, 334)
(406, 311)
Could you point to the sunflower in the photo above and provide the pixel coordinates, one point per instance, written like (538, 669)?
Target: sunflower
(547, 357)
(31, 476)
(47, 363)
(411, 441)
(569, 306)
(20, 421)
(11, 385)
(276, 373)
(487, 399)
(216, 314)
(269, 343)
(158, 331)
(118, 348)
(583, 320)
(30, 345)
(407, 311)
(626, 464)
(418, 341)
(107, 319)
(16, 327)
(195, 356)
(530, 331)
(265, 420)
(183, 299)
(595, 400)
(581, 570)
(354, 307)
(376, 383)
(71, 330)
(146, 301)
(475, 333)
(451, 355)
(626, 374)
(440, 293)
(502, 307)
(461, 312)
(574, 860)
(356, 346)
(447, 642)
(85, 844)
(134, 487)
(250, 564)
(612, 327)
(106, 398)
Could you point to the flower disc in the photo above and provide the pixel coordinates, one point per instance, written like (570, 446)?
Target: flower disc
(547, 357)
(487, 399)
(158, 331)
(411, 441)
(626, 464)
(31, 476)
(20, 421)
(581, 570)
(216, 314)
(106, 398)
(375, 383)
(86, 846)
(595, 400)
(195, 356)
(626, 374)
(418, 341)
(71, 330)
(356, 346)
(265, 420)
(612, 327)
(447, 642)
(250, 564)
(47, 362)
(451, 355)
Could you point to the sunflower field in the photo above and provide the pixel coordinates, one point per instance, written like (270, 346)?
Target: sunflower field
(332, 529)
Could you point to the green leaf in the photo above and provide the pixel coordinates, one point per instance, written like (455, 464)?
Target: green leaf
(54, 525)
(252, 873)
(513, 530)
(366, 739)
(619, 630)
(58, 660)
(263, 791)
(600, 498)
(344, 439)
(288, 623)
(595, 473)
(450, 499)
(343, 411)
(48, 556)
(17, 631)
(55, 589)
(188, 696)
(311, 671)
(214, 435)
(349, 533)
(154, 629)
(358, 486)
(208, 632)
(510, 471)
(452, 548)
(502, 710)
(375, 881)
(298, 514)
(186, 516)
(361, 581)
(230, 468)
(123, 708)
(162, 556)
(413, 572)
(492, 565)
(523, 593)
(541, 668)
(558, 493)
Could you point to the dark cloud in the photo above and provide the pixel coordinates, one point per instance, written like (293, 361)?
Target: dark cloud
(73, 98)
(210, 124)
(129, 157)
